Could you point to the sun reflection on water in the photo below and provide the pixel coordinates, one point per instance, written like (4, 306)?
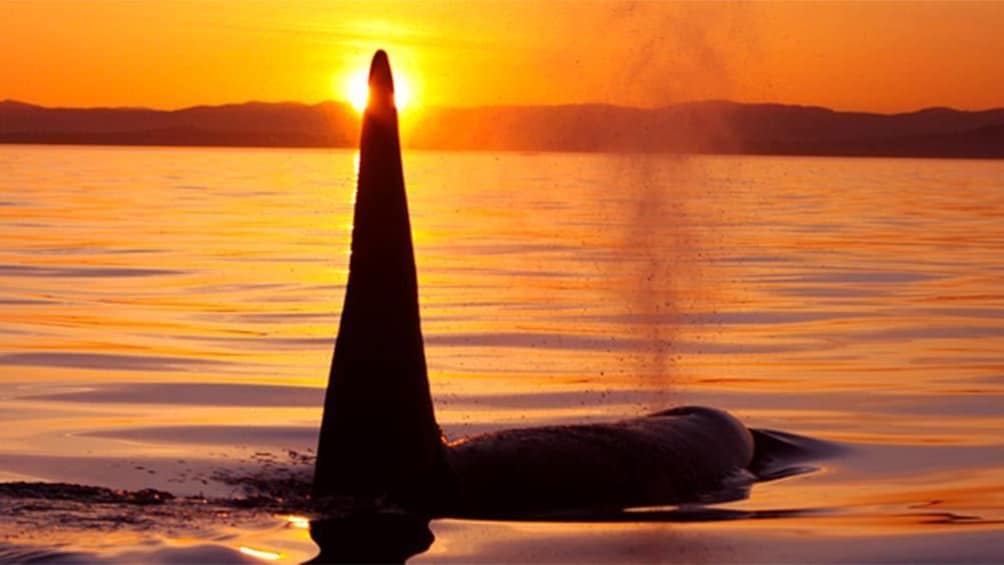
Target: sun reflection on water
(260, 553)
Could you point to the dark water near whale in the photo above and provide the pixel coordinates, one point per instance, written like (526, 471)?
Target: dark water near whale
(168, 315)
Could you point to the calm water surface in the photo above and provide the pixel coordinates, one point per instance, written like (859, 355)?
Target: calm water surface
(168, 319)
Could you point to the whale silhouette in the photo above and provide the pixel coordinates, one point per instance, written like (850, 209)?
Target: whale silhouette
(379, 437)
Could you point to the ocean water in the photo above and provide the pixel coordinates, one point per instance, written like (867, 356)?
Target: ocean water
(168, 318)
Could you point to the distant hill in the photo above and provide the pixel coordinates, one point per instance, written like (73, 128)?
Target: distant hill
(251, 124)
(698, 127)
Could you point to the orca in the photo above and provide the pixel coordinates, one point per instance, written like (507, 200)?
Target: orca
(379, 438)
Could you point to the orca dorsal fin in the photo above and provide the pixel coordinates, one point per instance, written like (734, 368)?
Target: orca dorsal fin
(379, 434)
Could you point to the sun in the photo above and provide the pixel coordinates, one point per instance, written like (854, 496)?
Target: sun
(357, 91)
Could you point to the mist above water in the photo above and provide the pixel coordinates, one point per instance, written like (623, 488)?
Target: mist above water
(662, 240)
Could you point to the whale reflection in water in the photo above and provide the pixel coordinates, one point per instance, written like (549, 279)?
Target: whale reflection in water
(379, 438)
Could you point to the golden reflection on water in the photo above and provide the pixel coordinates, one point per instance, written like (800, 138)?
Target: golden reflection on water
(854, 300)
(260, 554)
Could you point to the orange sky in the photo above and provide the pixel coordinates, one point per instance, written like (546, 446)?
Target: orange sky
(172, 53)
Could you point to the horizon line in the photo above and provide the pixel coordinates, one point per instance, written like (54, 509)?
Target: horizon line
(348, 105)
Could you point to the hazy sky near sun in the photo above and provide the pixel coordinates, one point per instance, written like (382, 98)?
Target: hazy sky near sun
(875, 56)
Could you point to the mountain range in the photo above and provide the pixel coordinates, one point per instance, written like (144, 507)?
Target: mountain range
(695, 127)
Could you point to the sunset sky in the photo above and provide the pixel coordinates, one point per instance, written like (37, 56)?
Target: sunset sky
(895, 56)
